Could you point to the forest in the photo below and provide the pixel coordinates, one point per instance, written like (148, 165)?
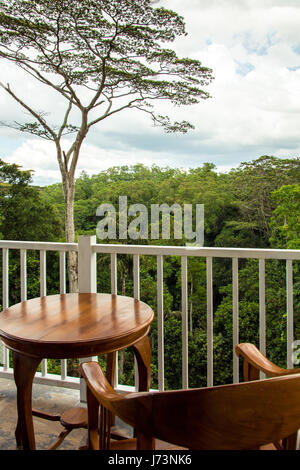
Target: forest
(256, 205)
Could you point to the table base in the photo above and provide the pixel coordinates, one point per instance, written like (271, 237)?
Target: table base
(25, 368)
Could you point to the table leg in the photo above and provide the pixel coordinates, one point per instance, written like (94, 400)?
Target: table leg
(142, 351)
(111, 367)
(24, 371)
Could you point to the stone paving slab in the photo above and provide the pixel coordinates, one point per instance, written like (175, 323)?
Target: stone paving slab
(54, 400)
(49, 399)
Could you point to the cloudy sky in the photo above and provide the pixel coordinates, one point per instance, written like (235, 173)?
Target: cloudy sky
(253, 47)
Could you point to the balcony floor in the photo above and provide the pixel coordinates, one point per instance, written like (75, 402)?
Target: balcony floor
(54, 400)
(50, 399)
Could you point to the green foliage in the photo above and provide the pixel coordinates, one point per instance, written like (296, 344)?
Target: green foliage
(285, 222)
(25, 214)
(252, 185)
(241, 209)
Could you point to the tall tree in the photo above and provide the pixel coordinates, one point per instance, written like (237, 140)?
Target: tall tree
(252, 184)
(24, 212)
(285, 223)
(102, 57)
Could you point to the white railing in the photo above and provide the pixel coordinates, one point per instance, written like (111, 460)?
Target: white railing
(88, 249)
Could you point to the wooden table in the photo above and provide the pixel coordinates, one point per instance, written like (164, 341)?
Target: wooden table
(71, 326)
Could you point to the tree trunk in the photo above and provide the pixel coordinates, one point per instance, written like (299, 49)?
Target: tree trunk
(67, 164)
(123, 284)
(68, 187)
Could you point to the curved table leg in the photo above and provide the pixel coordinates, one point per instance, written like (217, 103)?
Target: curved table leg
(24, 370)
(142, 351)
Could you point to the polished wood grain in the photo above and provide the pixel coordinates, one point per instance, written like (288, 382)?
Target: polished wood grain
(58, 326)
(24, 370)
(240, 416)
(71, 326)
(254, 362)
(73, 418)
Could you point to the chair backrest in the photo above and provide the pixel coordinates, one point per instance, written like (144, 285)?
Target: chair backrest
(240, 416)
(247, 415)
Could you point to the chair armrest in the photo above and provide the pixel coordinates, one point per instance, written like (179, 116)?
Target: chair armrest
(97, 383)
(101, 388)
(256, 359)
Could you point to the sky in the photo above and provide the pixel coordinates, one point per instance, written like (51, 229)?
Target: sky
(253, 47)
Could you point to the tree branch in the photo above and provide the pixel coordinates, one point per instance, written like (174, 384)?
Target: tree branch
(75, 147)
(31, 111)
(65, 121)
(24, 65)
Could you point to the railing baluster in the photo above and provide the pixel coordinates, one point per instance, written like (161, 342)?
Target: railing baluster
(63, 369)
(114, 290)
(262, 309)
(5, 299)
(136, 293)
(23, 262)
(210, 323)
(43, 292)
(62, 290)
(62, 272)
(44, 367)
(160, 322)
(136, 276)
(235, 308)
(43, 284)
(262, 306)
(113, 273)
(290, 312)
(5, 281)
(184, 297)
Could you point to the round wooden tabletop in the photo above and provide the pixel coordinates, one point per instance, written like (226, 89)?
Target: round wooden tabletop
(74, 325)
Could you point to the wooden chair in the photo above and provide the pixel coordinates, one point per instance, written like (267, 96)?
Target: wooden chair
(255, 362)
(239, 416)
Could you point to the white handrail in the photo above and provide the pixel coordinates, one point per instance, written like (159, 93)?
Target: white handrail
(259, 253)
(38, 246)
(215, 252)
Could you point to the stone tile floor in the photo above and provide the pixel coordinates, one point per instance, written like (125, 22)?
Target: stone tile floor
(54, 400)
(50, 399)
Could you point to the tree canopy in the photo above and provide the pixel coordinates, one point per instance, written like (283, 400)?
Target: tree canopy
(100, 57)
(112, 48)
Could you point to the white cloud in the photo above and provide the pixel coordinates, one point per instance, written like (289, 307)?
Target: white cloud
(39, 155)
(255, 107)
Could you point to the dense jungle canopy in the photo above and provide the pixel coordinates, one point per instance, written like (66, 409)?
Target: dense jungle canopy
(256, 205)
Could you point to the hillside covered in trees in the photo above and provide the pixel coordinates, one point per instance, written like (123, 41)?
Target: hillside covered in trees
(256, 205)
